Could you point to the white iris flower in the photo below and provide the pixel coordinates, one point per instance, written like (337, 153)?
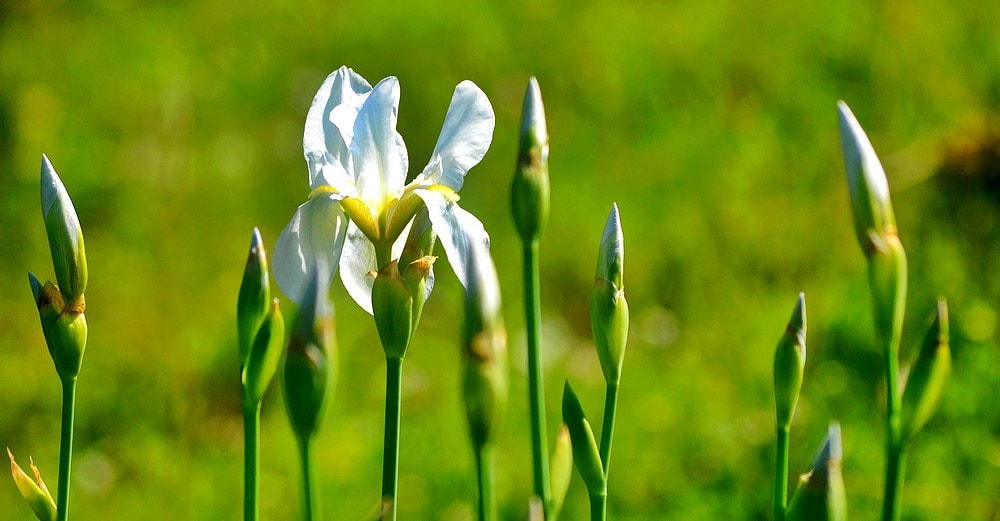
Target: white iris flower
(361, 207)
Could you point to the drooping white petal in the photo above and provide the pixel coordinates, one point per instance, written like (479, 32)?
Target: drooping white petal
(356, 266)
(378, 151)
(457, 230)
(317, 229)
(465, 136)
(330, 121)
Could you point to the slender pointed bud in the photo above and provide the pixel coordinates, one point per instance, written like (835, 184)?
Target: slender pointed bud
(34, 491)
(392, 303)
(255, 296)
(529, 194)
(927, 377)
(789, 364)
(586, 454)
(310, 361)
(820, 495)
(69, 257)
(421, 239)
(608, 307)
(264, 356)
(869, 189)
(64, 327)
(484, 349)
(560, 470)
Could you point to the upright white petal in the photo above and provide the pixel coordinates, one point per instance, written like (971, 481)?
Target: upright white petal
(379, 155)
(457, 229)
(465, 136)
(317, 229)
(356, 266)
(330, 121)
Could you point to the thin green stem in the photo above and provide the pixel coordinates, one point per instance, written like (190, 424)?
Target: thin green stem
(895, 451)
(599, 506)
(895, 468)
(608, 431)
(311, 510)
(251, 461)
(781, 474)
(390, 450)
(536, 383)
(66, 447)
(487, 494)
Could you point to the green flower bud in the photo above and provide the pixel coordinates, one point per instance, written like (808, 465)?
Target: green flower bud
(255, 296)
(870, 204)
(928, 376)
(34, 491)
(789, 363)
(887, 278)
(484, 345)
(64, 327)
(608, 308)
(586, 454)
(311, 356)
(392, 303)
(820, 494)
(264, 356)
(560, 470)
(69, 257)
(529, 194)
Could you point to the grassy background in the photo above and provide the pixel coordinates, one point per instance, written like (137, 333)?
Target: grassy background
(712, 124)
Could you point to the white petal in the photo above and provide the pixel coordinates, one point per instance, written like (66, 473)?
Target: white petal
(356, 265)
(457, 230)
(330, 121)
(379, 155)
(317, 229)
(465, 136)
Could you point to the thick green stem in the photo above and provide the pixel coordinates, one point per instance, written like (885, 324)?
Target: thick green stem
(895, 468)
(390, 450)
(781, 474)
(311, 510)
(599, 506)
(536, 383)
(66, 447)
(251, 461)
(487, 495)
(608, 431)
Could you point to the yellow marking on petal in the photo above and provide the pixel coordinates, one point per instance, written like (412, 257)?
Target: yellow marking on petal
(323, 190)
(358, 211)
(446, 191)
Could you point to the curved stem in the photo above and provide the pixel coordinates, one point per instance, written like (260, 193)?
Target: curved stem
(781, 474)
(487, 495)
(598, 507)
(536, 382)
(390, 450)
(66, 447)
(310, 495)
(251, 461)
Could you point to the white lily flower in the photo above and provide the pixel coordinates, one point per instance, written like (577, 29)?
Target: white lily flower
(361, 206)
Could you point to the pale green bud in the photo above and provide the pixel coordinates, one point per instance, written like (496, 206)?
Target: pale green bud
(560, 470)
(255, 296)
(928, 376)
(789, 364)
(484, 346)
(586, 454)
(392, 303)
(820, 495)
(265, 355)
(608, 307)
(34, 491)
(64, 327)
(69, 257)
(887, 278)
(529, 194)
(870, 204)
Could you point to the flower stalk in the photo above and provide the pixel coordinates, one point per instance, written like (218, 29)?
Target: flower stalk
(789, 364)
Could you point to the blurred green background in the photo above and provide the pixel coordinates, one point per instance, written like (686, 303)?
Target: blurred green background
(177, 128)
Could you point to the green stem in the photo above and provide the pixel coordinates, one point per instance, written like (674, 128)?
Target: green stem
(781, 474)
(66, 447)
(608, 431)
(536, 386)
(251, 461)
(487, 495)
(310, 494)
(895, 468)
(598, 506)
(390, 450)
(894, 450)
